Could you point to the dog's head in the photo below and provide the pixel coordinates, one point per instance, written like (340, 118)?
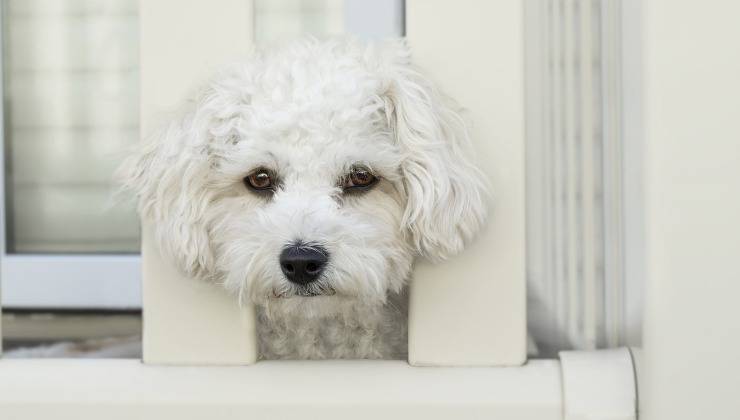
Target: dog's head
(311, 174)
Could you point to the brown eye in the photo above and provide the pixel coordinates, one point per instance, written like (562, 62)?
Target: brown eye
(259, 180)
(359, 179)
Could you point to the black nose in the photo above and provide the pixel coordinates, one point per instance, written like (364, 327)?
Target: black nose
(303, 264)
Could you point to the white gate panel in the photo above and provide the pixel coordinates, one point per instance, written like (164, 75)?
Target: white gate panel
(471, 310)
(186, 321)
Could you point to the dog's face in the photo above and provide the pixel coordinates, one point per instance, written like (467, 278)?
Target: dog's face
(311, 176)
(311, 204)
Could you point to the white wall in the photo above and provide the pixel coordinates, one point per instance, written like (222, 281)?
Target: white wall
(692, 93)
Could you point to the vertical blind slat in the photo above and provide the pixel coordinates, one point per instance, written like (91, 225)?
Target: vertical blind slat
(578, 272)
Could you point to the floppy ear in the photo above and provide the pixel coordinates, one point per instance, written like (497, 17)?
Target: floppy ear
(446, 194)
(169, 174)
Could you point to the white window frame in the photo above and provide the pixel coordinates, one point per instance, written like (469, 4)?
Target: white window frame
(64, 281)
(71, 281)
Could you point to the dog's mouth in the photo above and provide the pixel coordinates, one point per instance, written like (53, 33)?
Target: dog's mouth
(303, 292)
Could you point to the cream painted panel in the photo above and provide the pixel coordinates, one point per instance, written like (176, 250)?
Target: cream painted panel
(692, 161)
(180, 50)
(185, 321)
(598, 385)
(471, 310)
(191, 322)
(327, 390)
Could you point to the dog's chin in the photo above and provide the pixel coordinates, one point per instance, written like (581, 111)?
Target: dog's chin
(307, 305)
(310, 305)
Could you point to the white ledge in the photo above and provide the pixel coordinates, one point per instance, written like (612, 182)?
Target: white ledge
(125, 389)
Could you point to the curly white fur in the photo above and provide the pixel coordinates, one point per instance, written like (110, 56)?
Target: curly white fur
(310, 111)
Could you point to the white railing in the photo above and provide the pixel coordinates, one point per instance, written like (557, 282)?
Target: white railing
(583, 386)
(185, 321)
(480, 319)
(477, 320)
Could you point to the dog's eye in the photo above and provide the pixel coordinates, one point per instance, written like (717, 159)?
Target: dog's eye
(359, 179)
(260, 180)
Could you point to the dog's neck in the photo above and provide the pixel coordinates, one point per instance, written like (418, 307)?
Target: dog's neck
(349, 330)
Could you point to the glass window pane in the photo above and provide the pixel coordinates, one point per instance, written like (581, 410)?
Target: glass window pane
(71, 110)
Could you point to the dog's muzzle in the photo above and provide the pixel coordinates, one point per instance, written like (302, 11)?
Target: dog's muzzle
(302, 264)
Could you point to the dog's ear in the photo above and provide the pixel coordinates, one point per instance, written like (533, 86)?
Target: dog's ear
(446, 193)
(169, 174)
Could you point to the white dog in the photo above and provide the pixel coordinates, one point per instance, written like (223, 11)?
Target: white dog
(307, 179)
